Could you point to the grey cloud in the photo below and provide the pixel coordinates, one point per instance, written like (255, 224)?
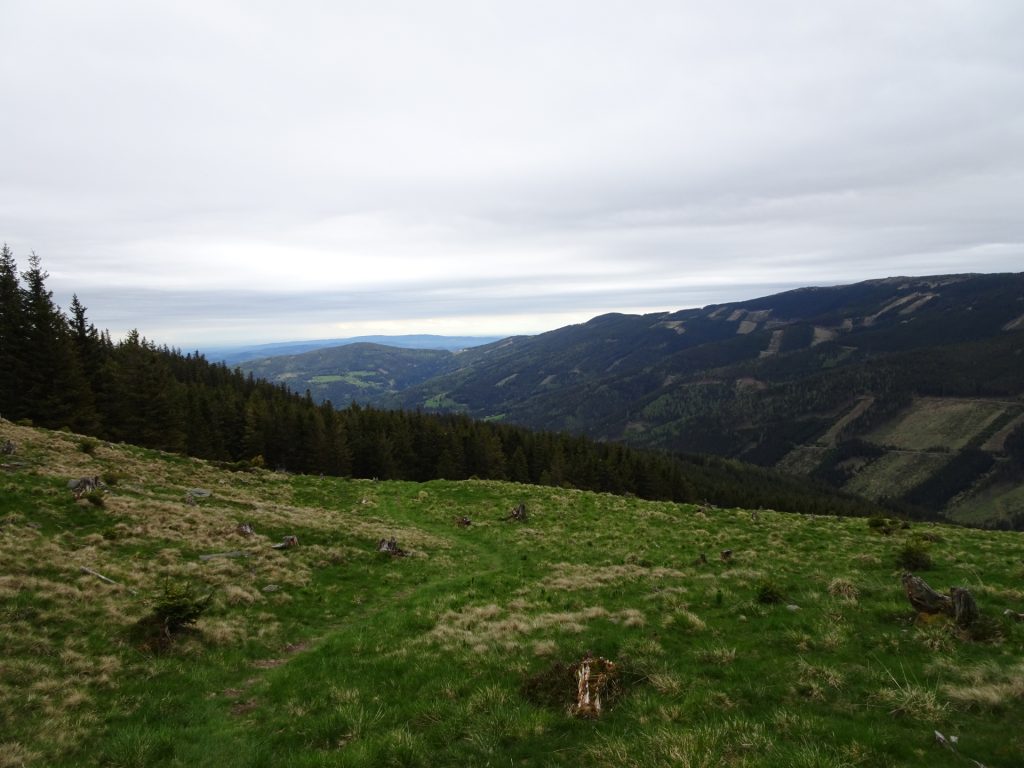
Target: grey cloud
(676, 144)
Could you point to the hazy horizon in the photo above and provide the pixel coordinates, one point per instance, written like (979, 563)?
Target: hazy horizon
(222, 174)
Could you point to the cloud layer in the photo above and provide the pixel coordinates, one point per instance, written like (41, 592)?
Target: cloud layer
(221, 171)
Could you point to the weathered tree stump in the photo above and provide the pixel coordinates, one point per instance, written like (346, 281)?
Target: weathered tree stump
(245, 529)
(726, 555)
(959, 604)
(965, 609)
(390, 547)
(924, 598)
(594, 677)
(463, 522)
(518, 514)
(8, 448)
(84, 485)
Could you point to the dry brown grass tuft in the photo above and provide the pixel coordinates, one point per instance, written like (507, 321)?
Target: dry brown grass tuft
(910, 699)
(988, 687)
(16, 755)
(844, 588)
(685, 619)
(487, 627)
(573, 577)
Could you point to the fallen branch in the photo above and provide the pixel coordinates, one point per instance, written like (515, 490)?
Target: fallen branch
(101, 577)
(232, 553)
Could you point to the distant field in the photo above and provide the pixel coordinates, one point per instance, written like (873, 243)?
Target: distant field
(940, 423)
(355, 378)
(993, 503)
(802, 460)
(894, 474)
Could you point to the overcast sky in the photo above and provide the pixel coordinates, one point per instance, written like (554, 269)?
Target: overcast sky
(211, 172)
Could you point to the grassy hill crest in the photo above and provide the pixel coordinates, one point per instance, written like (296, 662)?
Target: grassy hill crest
(798, 650)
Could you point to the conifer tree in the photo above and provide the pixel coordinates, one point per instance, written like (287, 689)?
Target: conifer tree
(53, 382)
(12, 331)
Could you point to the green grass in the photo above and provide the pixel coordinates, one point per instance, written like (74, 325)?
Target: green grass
(442, 401)
(355, 378)
(331, 654)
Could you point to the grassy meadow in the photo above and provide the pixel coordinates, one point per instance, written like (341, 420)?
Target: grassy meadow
(798, 650)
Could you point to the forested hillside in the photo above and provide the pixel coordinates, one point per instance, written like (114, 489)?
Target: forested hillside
(61, 372)
(813, 381)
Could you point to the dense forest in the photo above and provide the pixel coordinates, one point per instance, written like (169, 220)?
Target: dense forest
(58, 371)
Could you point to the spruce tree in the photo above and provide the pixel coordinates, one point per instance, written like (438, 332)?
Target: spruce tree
(53, 387)
(12, 335)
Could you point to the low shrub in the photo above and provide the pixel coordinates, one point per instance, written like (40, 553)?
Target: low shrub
(769, 594)
(914, 556)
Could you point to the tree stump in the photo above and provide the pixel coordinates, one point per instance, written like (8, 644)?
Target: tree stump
(463, 522)
(84, 485)
(726, 555)
(923, 597)
(594, 677)
(8, 448)
(959, 604)
(518, 514)
(245, 529)
(390, 547)
(965, 609)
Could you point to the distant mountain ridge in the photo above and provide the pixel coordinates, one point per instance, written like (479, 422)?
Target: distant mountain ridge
(869, 386)
(233, 355)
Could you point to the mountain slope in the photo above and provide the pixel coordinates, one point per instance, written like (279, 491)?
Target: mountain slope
(240, 355)
(330, 653)
(781, 381)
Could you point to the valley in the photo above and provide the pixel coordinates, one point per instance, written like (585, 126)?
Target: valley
(930, 366)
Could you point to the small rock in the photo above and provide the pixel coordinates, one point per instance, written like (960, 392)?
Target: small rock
(271, 588)
(793, 607)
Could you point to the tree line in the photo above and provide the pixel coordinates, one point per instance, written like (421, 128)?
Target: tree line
(59, 371)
